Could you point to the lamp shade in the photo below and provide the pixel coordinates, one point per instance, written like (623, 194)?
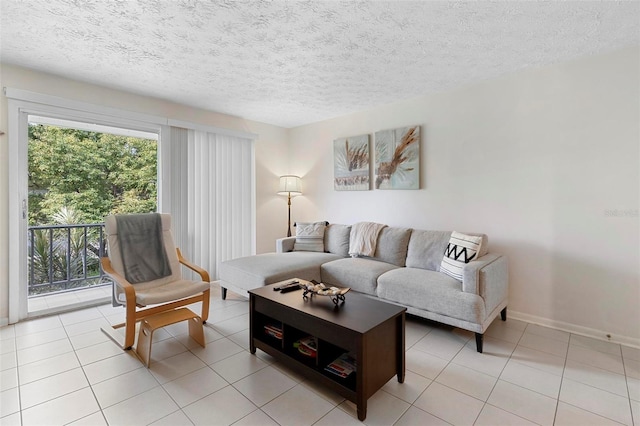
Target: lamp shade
(290, 185)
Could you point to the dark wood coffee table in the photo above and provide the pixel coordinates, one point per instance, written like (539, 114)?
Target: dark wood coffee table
(370, 330)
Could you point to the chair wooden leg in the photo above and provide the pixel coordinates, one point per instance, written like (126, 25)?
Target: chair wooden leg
(130, 327)
(145, 336)
(129, 330)
(224, 293)
(133, 316)
(503, 314)
(113, 334)
(196, 331)
(162, 319)
(204, 314)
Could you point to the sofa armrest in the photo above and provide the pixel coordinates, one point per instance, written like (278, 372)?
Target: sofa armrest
(284, 245)
(487, 277)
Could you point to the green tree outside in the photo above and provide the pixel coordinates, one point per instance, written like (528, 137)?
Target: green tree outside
(93, 174)
(79, 177)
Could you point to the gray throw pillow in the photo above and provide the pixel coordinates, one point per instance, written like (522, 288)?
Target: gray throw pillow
(336, 239)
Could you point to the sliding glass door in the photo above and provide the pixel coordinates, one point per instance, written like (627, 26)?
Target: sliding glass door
(68, 169)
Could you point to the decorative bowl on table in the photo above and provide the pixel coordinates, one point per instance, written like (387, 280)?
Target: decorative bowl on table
(335, 293)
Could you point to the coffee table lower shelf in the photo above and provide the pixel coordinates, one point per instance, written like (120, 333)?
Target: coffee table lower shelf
(310, 372)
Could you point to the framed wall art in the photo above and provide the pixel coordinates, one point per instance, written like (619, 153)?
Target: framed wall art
(397, 158)
(351, 158)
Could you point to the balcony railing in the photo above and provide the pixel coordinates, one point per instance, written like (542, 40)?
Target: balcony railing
(65, 258)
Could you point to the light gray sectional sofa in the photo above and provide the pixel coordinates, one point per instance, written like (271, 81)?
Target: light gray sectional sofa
(404, 270)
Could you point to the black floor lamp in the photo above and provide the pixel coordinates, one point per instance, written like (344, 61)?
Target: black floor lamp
(290, 186)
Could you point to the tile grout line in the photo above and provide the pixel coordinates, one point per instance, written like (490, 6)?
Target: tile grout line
(102, 410)
(18, 378)
(95, 397)
(442, 384)
(564, 367)
(626, 381)
(499, 375)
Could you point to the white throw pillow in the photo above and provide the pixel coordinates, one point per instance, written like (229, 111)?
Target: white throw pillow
(461, 250)
(309, 236)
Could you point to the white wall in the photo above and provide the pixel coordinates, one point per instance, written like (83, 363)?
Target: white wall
(538, 161)
(271, 151)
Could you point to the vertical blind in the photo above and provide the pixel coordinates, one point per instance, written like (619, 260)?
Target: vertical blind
(212, 196)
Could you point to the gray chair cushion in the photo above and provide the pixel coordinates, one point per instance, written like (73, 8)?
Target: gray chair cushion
(268, 268)
(336, 239)
(406, 286)
(358, 273)
(175, 290)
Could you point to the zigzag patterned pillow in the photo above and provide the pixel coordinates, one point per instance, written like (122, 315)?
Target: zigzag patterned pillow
(461, 250)
(310, 236)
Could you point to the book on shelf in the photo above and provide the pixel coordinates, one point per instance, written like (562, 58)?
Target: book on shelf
(342, 366)
(307, 346)
(273, 331)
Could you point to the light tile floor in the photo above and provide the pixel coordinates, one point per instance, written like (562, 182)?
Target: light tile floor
(62, 369)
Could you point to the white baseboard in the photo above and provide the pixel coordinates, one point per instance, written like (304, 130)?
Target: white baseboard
(4, 321)
(575, 329)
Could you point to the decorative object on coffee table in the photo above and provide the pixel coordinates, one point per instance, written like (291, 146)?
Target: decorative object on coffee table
(313, 287)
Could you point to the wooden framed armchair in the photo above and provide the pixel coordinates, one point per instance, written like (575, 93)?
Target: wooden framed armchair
(167, 290)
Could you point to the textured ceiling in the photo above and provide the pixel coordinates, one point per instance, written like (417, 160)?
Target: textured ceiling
(290, 63)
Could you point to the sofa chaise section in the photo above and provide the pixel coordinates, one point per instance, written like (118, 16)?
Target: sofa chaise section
(244, 273)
